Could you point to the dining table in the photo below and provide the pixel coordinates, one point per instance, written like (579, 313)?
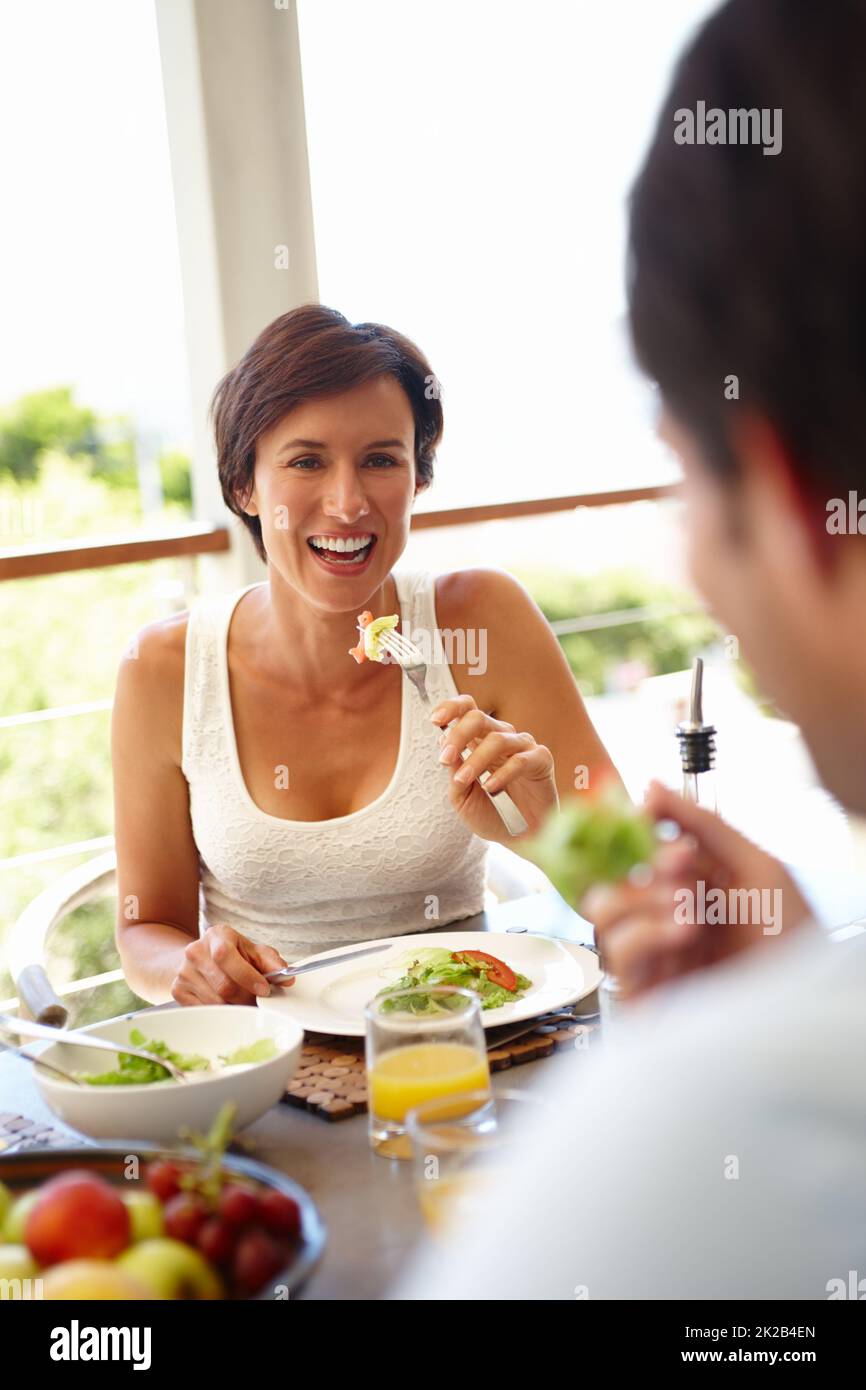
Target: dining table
(368, 1203)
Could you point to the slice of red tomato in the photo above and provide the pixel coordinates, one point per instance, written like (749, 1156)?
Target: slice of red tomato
(498, 973)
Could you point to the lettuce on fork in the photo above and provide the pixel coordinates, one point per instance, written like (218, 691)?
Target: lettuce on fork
(369, 647)
(592, 839)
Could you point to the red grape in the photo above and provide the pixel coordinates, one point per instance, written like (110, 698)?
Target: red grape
(163, 1178)
(281, 1213)
(216, 1240)
(238, 1205)
(184, 1215)
(257, 1259)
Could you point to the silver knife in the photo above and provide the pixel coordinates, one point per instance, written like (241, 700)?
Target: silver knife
(289, 971)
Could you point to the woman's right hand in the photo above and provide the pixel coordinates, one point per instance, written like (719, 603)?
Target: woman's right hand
(223, 967)
(646, 935)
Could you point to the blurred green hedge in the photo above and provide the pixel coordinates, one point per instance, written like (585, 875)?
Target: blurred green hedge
(661, 644)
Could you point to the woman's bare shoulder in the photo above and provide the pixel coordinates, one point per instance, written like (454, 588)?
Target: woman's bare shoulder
(488, 615)
(150, 677)
(463, 596)
(159, 647)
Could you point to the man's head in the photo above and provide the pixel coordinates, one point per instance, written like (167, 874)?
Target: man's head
(747, 293)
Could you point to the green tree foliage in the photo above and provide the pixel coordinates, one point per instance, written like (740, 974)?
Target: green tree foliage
(113, 459)
(63, 637)
(176, 473)
(45, 422)
(41, 421)
(664, 643)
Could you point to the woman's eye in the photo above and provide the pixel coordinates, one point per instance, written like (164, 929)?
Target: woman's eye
(376, 460)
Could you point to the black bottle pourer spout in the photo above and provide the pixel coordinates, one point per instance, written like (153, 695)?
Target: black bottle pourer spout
(697, 739)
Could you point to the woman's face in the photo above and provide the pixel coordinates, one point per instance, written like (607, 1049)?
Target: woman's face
(338, 470)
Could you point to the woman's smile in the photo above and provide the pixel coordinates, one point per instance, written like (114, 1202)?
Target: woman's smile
(347, 553)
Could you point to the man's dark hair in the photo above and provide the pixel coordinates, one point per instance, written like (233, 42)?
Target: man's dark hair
(754, 264)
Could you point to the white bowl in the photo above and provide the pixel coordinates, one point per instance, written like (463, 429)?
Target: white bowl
(157, 1112)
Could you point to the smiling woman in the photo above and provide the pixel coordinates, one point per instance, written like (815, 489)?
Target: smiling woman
(311, 353)
(271, 795)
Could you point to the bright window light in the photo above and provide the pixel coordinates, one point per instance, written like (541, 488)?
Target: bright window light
(469, 168)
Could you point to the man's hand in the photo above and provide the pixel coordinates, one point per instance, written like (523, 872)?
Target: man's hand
(650, 934)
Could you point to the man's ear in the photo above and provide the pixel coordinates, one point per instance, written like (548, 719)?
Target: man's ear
(779, 495)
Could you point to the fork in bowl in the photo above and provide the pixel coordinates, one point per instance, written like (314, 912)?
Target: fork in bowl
(408, 656)
(25, 1028)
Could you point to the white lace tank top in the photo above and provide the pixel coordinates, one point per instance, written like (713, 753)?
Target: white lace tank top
(404, 863)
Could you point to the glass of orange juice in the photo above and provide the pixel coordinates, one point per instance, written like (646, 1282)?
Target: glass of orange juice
(421, 1044)
(461, 1147)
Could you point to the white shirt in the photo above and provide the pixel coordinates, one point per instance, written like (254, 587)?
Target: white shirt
(404, 863)
(715, 1148)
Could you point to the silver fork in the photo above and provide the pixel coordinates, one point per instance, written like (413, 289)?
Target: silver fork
(530, 1025)
(24, 1028)
(407, 655)
(7, 1045)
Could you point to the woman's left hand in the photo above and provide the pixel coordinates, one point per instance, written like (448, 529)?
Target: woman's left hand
(517, 764)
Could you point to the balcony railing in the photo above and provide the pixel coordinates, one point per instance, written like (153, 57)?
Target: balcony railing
(28, 562)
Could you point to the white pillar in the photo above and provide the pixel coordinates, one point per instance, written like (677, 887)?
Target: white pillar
(237, 135)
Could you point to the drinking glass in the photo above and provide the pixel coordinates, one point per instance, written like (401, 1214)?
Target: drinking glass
(422, 1043)
(461, 1145)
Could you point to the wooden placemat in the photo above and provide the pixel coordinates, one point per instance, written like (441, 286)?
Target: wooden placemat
(19, 1132)
(331, 1080)
(20, 1129)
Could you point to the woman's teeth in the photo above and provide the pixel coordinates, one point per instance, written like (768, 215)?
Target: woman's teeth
(342, 550)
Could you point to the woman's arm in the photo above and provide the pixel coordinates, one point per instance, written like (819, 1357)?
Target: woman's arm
(157, 863)
(527, 681)
(157, 929)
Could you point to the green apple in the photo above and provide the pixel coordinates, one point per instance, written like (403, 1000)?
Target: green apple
(16, 1262)
(91, 1279)
(171, 1269)
(145, 1215)
(16, 1217)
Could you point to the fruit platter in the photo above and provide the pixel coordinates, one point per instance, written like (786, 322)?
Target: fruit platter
(122, 1222)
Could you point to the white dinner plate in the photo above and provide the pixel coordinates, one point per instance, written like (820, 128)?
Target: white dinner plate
(332, 1000)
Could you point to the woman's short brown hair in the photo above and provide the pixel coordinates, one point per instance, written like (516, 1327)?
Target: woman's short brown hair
(313, 351)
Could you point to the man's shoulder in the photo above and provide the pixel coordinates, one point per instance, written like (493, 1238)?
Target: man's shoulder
(774, 979)
(758, 1012)
(712, 1148)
